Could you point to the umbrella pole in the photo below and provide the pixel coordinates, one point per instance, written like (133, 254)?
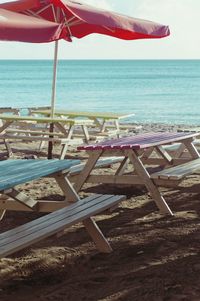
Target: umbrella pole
(53, 97)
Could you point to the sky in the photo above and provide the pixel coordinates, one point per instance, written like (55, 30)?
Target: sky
(182, 16)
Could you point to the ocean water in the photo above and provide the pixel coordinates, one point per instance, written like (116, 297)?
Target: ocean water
(163, 91)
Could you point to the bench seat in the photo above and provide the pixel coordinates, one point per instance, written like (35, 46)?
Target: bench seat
(177, 172)
(101, 163)
(34, 231)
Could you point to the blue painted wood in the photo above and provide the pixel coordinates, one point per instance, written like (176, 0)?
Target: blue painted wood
(15, 172)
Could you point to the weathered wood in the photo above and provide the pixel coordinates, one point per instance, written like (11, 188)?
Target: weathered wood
(101, 163)
(34, 231)
(101, 115)
(35, 132)
(121, 169)
(62, 136)
(114, 179)
(2, 213)
(87, 170)
(178, 172)
(139, 141)
(13, 118)
(192, 149)
(22, 198)
(168, 183)
(67, 188)
(164, 154)
(42, 205)
(100, 240)
(15, 172)
(151, 187)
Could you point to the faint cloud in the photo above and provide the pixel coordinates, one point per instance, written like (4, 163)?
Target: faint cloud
(100, 3)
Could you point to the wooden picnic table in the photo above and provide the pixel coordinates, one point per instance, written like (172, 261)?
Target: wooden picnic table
(151, 162)
(101, 119)
(63, 133)
(63, 213)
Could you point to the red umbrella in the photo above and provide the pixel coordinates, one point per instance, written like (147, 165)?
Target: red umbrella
(81, 19)
(17, 27)
(77, 19)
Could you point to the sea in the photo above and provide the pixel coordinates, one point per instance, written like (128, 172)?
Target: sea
(156, 91)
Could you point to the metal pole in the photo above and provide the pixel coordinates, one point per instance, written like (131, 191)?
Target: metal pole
(53, 95)
(53, 98)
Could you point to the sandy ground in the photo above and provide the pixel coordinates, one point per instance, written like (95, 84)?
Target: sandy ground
(154, 258)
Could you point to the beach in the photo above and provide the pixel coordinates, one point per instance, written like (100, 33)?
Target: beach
(155, 257)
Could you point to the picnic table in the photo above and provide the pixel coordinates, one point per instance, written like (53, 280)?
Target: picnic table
(64, 212)
(63, 130)
(103, 121)
(152, 164)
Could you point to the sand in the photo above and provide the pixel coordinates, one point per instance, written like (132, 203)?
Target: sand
(154, 257)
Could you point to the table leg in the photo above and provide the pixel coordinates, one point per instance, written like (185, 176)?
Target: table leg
(116, 122)
(6, 142)
(98, 124)
(164, 154)
(68, 135)
(2, 213)
(90, 224)
(85, 132)
(122, 167)
(67, 188)
(191, 149)
(97, 236)
(151, 187)
(81, 179)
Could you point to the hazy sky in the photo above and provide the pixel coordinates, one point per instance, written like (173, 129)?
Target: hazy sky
(184, 42)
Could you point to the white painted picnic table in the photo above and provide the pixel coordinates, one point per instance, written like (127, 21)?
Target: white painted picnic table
(64, 130)
(143, 151)
(102, 119)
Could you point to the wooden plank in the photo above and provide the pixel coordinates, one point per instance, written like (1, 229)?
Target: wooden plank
(40, 138)
(13, 118)
(2, 213)
(164, 154)
(151, 187)
(67, 188)
(162, 162)
(137, 142)
(5, 126)
(166, 183)
(22, 198)
(42, 205)
(114, 179)
(15, 172)
(22, 236)
(57, 216)
(103, 162)
(33, 132)
(87, 170)
(101, 115)
(191, 149)
(178, 172)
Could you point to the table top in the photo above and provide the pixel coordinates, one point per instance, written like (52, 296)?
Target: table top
(103, 115)
(43, 119)
(140, 141)
(15, 172)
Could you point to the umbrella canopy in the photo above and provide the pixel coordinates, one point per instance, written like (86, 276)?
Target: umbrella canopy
(81, 19)
(18, 27)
